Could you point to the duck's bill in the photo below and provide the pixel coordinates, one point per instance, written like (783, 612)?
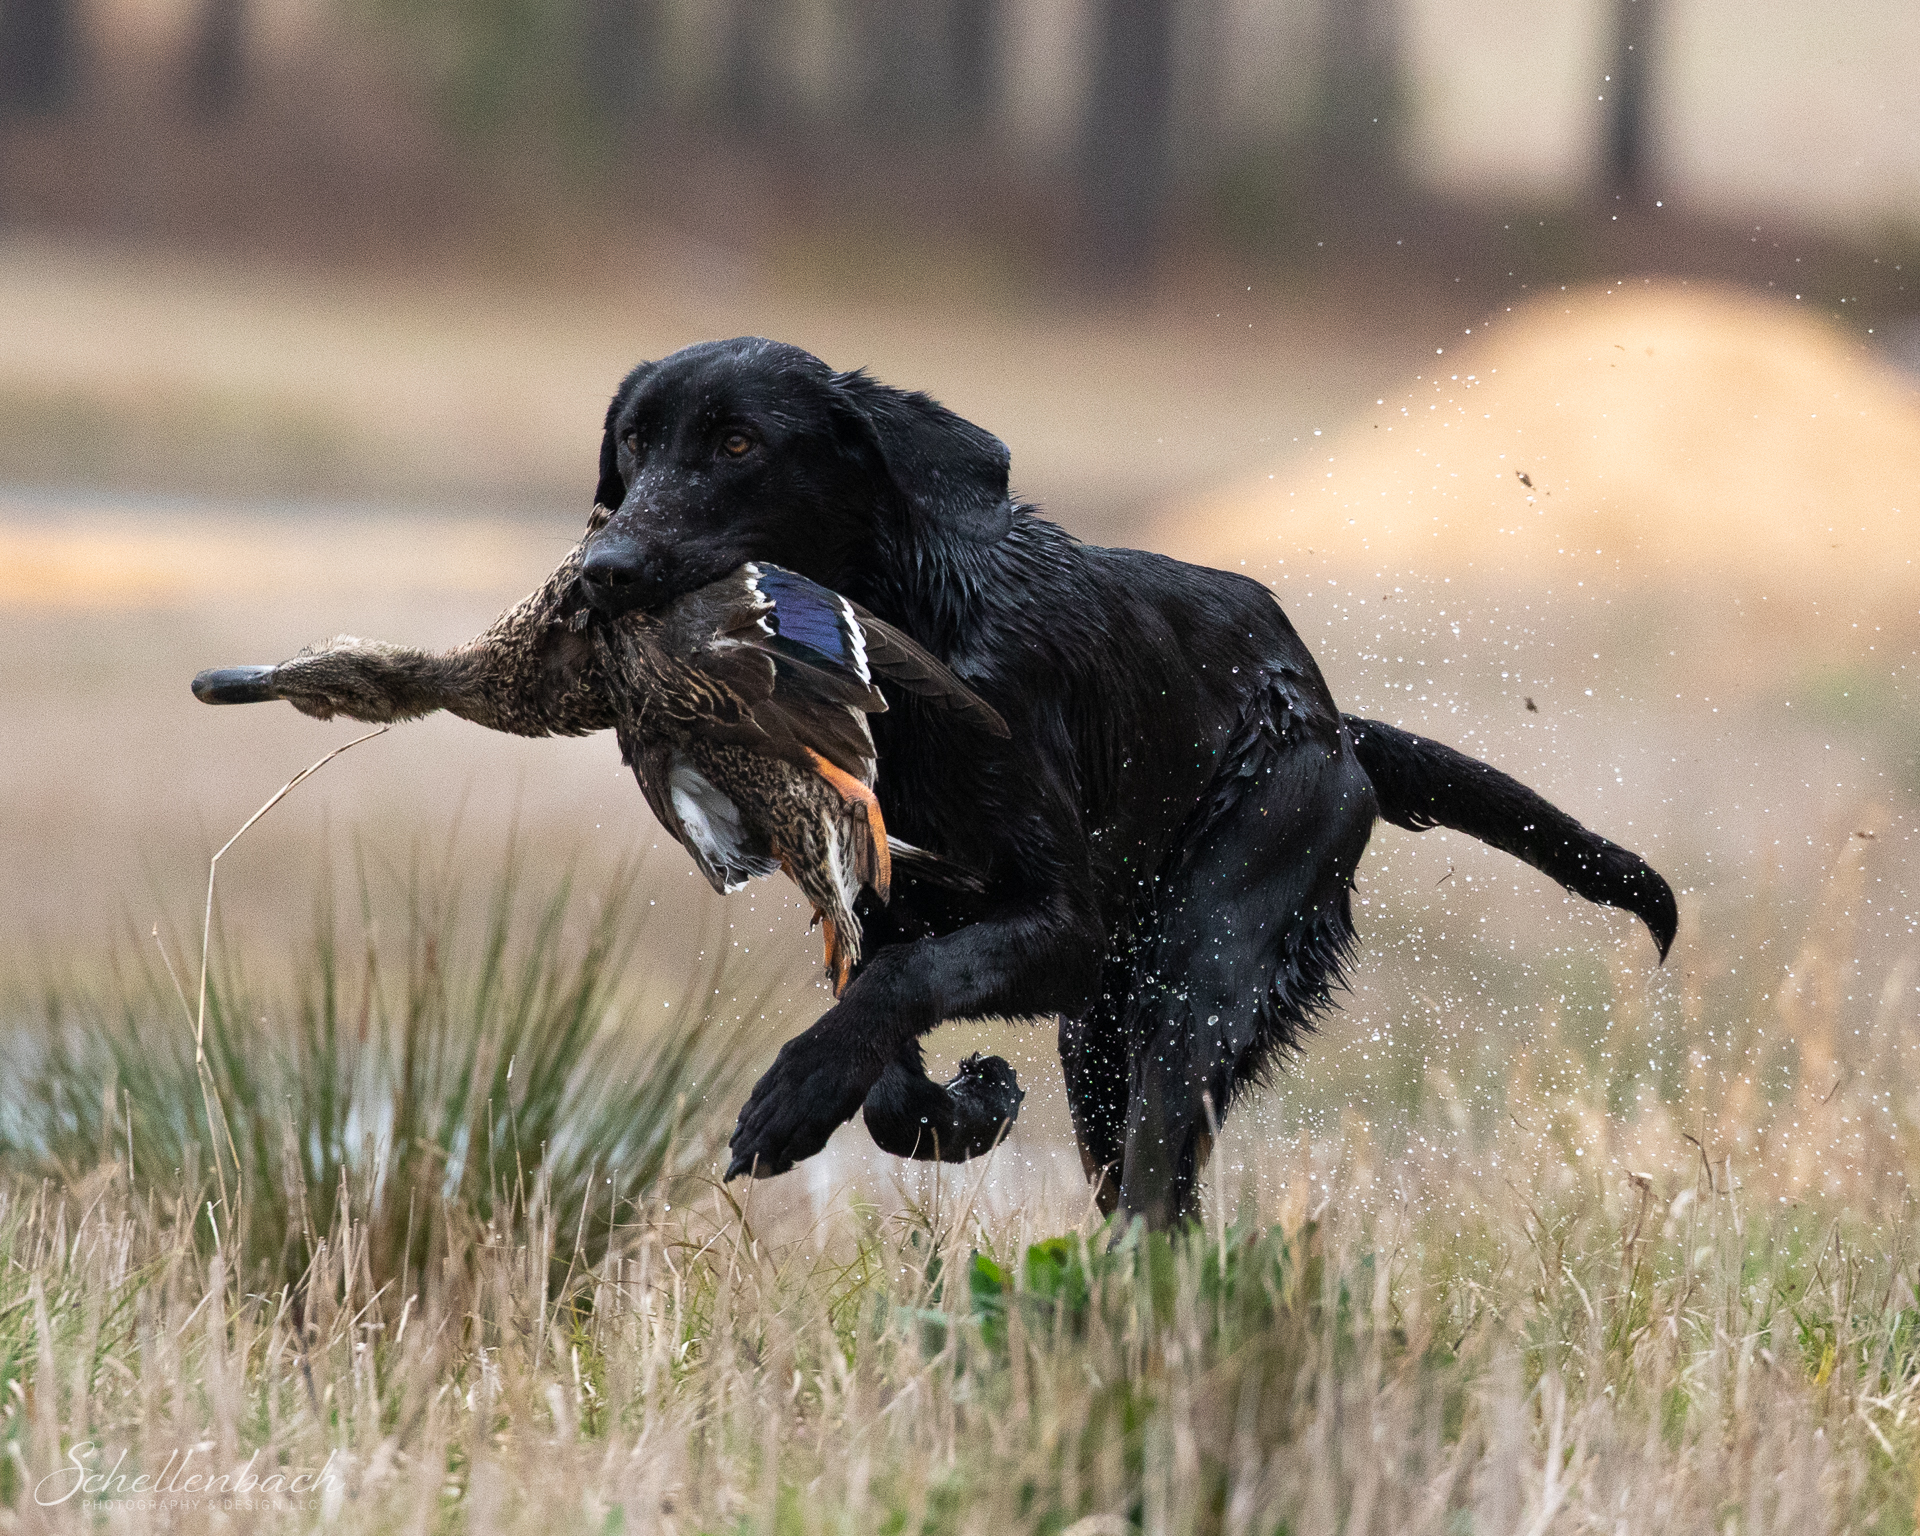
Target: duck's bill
(235, 685)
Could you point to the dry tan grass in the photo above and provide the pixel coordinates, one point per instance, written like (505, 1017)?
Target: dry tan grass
(1567, 1352)
(1579, 1245)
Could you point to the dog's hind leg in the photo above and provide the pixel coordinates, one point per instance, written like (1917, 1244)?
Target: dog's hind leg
(1241, 949)
(1093, 1057)
(1184, 1072)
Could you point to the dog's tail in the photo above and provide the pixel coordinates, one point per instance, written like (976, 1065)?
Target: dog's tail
(1422, 784)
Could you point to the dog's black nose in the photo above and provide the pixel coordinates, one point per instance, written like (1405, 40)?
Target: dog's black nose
(614, 574)
(611, 563)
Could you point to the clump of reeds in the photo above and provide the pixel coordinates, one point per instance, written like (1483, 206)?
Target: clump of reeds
(417, 1079)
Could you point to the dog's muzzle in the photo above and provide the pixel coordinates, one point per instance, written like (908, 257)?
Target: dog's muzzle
(615, 577)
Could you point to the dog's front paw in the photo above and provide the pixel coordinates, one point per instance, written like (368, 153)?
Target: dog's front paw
(986, 1095)
(811, 1089)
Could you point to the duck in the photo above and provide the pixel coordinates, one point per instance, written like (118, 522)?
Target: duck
(741, 708)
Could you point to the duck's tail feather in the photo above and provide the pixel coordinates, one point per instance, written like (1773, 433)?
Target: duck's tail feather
(934, 868)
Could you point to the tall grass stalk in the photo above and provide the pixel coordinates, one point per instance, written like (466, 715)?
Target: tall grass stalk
(208, 1097)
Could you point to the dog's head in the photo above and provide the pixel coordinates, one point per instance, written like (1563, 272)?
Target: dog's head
(742, 450)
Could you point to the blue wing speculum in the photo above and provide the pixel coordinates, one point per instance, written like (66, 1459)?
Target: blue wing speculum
(811, 623)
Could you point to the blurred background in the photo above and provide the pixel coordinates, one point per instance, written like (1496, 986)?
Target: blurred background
(1556, 364)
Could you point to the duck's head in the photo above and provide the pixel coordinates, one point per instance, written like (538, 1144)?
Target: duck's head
(361, 679)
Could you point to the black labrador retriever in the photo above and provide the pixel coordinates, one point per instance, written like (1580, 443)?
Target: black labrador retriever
(1168, 839)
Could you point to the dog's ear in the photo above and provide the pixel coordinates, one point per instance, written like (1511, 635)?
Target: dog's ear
(952, 473)
(612, 490)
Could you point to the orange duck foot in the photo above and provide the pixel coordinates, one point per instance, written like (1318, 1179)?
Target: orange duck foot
(839, 962)
(851, 790)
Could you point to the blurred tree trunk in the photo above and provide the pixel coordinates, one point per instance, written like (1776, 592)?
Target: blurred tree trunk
(1624, 159)
(974, 50)
(619, 58)
(929, 65)
(751, 98)
(1125, 139)
(1359, 92)
(39, 57)
(216, 67)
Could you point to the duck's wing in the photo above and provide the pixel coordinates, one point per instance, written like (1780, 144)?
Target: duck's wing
(899, 658)
(811, 633)
(778, 663)
(800, 665)
(838, 646)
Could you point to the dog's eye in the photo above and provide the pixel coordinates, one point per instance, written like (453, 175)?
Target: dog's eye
(734, 444)
(633, 442)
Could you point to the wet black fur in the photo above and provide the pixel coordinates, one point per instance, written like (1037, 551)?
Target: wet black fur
(1168, 838)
